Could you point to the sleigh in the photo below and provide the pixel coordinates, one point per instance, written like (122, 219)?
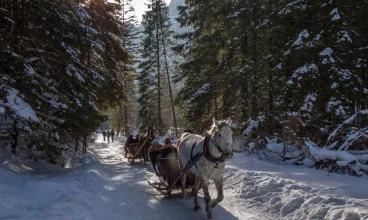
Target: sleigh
(169, 173)
(135, 151)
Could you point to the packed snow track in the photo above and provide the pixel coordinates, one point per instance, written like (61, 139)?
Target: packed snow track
(106, 186)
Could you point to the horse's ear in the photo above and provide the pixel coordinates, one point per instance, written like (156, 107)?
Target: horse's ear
(215, 122)
(229, 122)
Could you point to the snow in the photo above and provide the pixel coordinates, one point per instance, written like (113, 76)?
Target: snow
(304, 34)
(239, 144)
(206, 88)
(253, 124)
(334, 85)
(344, 36)
(318, 37)
(19, 106)
(332, 104)
(308, 102)
(347, 121)
(335, 14)
(72, 71)
(82, 13)
(279, 66)
(236, 14)
(326, 52)
(89, 30)
(105, 186)
(306, 68)
(291, 192)
(292, 5)
(10, 20)
(29, 70)
(30, 59)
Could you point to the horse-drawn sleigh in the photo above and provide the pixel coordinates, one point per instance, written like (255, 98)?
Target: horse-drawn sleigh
(136, 146)
(165, 162)
(195, 161)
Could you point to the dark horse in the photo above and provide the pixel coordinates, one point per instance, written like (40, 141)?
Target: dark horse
(148, 138)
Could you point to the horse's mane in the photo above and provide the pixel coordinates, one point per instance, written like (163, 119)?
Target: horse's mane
(215, 128)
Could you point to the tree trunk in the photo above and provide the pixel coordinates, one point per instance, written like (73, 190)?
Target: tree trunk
(14, 135)
(126, 122)
(119, 120)
(85, 143)
(168, 80)
(158, 70)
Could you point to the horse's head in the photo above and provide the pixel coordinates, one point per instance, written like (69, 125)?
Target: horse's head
(150, 133)
(223, 136)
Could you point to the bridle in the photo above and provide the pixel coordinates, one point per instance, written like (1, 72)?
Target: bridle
(216, 144)
(206, 152)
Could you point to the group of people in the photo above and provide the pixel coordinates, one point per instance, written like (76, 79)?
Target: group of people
(109, 134)
(156, 150)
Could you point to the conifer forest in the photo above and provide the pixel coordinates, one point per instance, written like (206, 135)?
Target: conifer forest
(285, 71)
(135, 109)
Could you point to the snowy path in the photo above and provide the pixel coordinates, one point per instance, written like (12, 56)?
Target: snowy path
(130, 196)
(107, 187)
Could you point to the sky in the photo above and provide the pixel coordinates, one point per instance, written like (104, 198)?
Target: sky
(140, 8)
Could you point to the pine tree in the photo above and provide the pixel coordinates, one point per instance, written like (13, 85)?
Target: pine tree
(282, 58)
(157, 32)
(59, 62)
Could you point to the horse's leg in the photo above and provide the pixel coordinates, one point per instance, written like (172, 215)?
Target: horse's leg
(146, 153)
(220, 192)
(183, 180)
(196, 189)
(207, 197)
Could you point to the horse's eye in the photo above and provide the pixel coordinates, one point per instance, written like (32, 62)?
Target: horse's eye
(219, 134)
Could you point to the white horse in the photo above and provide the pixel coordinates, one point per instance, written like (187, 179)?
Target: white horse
(214, 149)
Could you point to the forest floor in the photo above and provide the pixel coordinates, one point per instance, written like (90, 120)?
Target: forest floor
(106, 186)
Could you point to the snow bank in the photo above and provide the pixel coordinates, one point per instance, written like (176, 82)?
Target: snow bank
(342, 158)
(289, 192)
(239, 144)
(40, 191)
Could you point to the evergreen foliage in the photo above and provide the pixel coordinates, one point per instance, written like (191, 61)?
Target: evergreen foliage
(60, 63)
(264, 61)
(156, 23)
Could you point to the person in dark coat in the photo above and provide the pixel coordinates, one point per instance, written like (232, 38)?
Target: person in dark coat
(154, 154)
(132, 139)
(108, 136)
(112, 133)
(104, 135)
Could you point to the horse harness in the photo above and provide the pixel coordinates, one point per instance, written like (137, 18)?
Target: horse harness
(193, 159)
(206, 152)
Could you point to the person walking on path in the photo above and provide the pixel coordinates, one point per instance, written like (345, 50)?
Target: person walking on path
(104, 135)
(112, 135)
(108, 136)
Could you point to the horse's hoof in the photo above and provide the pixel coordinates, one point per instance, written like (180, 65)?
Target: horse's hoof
(209, 215)
(197, 208)
(183, 195)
